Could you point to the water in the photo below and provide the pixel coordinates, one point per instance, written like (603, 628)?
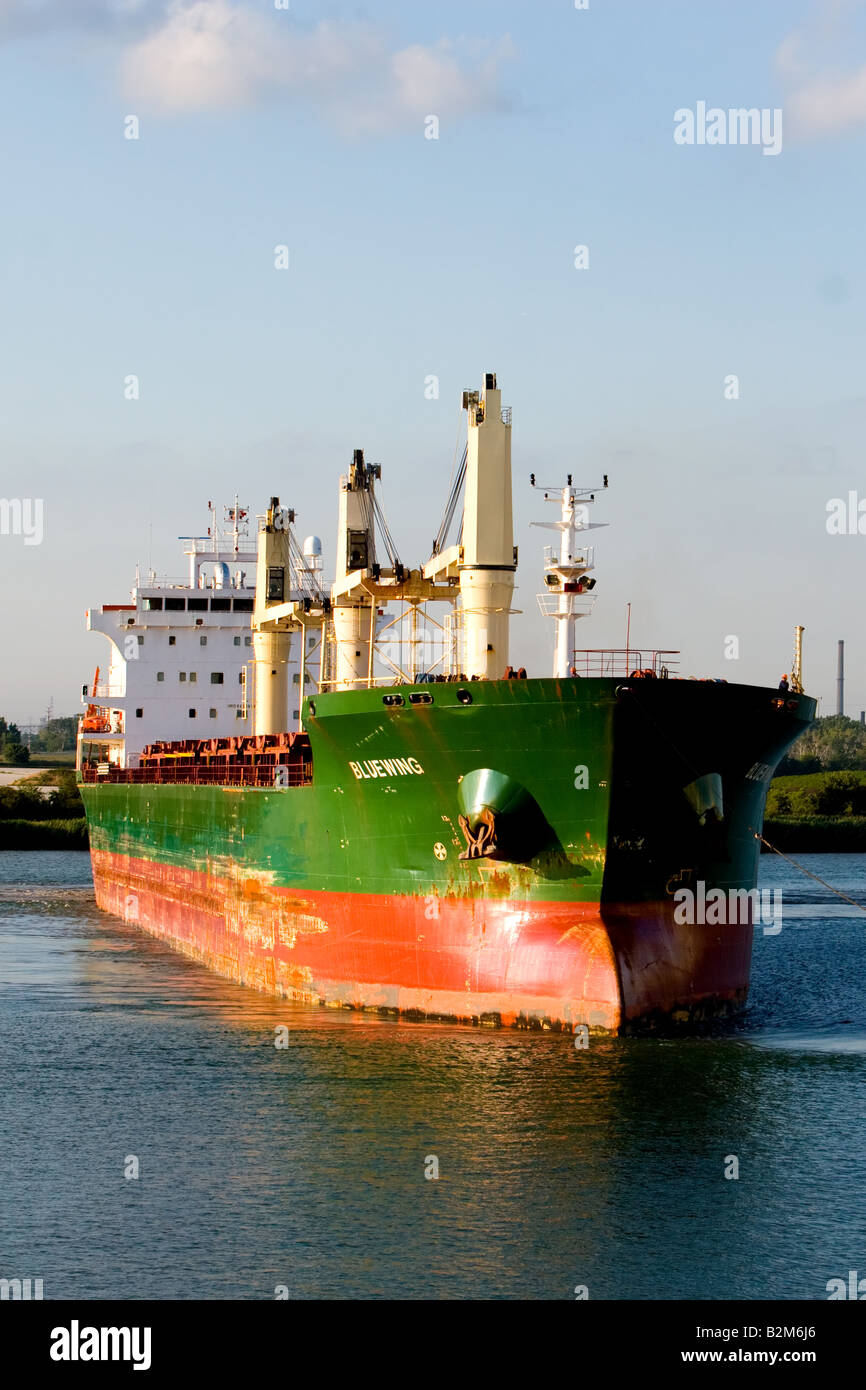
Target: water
(304, 1167)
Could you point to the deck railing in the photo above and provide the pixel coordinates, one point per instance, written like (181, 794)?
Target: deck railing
(200, 774)
(624, 661)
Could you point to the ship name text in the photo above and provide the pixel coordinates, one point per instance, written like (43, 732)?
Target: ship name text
(387, 767)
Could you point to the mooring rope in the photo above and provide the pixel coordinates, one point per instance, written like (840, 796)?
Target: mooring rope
(808, 872)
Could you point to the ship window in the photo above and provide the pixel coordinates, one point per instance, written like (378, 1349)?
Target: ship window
(216, 677)
(213, 714)
(243, 605)
(464, 697)
(172, 641)
(296, 714)
(237, 641)
(393, 700)
(153, 605)
(160, 675)
(139, 713)
(193, 676)
(202, 641)
(175, 605)
(192, 714)
(239, 714)
(140, 640)
(220, 605)
(240, 677)
(420, 698)
(181, 675)
(248, 641)
(197, 605)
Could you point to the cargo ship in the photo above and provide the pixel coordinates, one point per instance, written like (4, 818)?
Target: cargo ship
(425, 831)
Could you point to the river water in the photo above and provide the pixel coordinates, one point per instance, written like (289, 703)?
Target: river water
(302, 1168)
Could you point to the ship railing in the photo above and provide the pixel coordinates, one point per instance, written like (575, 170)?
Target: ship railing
(166, 581)
(392, 680)
(624, 661)
(199, 774)
(363, 682)
(581, 605)
(181, 581)
(584, 557)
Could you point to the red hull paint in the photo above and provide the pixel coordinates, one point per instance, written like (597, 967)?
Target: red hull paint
(535, 963)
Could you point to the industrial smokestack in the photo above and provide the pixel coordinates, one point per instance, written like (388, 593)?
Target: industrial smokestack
(840, 680)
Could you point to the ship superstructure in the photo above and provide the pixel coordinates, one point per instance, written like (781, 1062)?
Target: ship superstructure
(181, 656)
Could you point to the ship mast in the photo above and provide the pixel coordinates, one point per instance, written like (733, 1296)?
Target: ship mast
(354, 607)
(272, 645)
(485, 560)
(478, 572)
(489, 558)
(797, 664)
(567, 573)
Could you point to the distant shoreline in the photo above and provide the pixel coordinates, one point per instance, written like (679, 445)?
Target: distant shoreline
(808, 835)
(43, 834)
(817, 835)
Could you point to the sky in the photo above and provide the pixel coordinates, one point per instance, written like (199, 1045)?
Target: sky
(707, 352)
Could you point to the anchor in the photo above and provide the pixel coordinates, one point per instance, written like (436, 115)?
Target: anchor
(482, 841)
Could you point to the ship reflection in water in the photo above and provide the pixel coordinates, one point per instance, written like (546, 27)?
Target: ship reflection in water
(303, 1166)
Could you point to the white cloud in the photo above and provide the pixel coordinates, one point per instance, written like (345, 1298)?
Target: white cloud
(826, 103)
(215, 54)
(825, 95)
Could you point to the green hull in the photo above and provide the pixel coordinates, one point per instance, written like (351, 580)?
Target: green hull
(585, 804)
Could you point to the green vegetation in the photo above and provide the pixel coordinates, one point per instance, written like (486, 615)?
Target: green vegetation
(818, 812)
(29, 800)
(12, 747)
(833, 744)
(817, 794)
(817, 801)
(56, 735)
(818, 835)
(31, 818)
(43, 834)
(64, 758)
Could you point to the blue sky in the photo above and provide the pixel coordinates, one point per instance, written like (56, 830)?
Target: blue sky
(411, 257)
